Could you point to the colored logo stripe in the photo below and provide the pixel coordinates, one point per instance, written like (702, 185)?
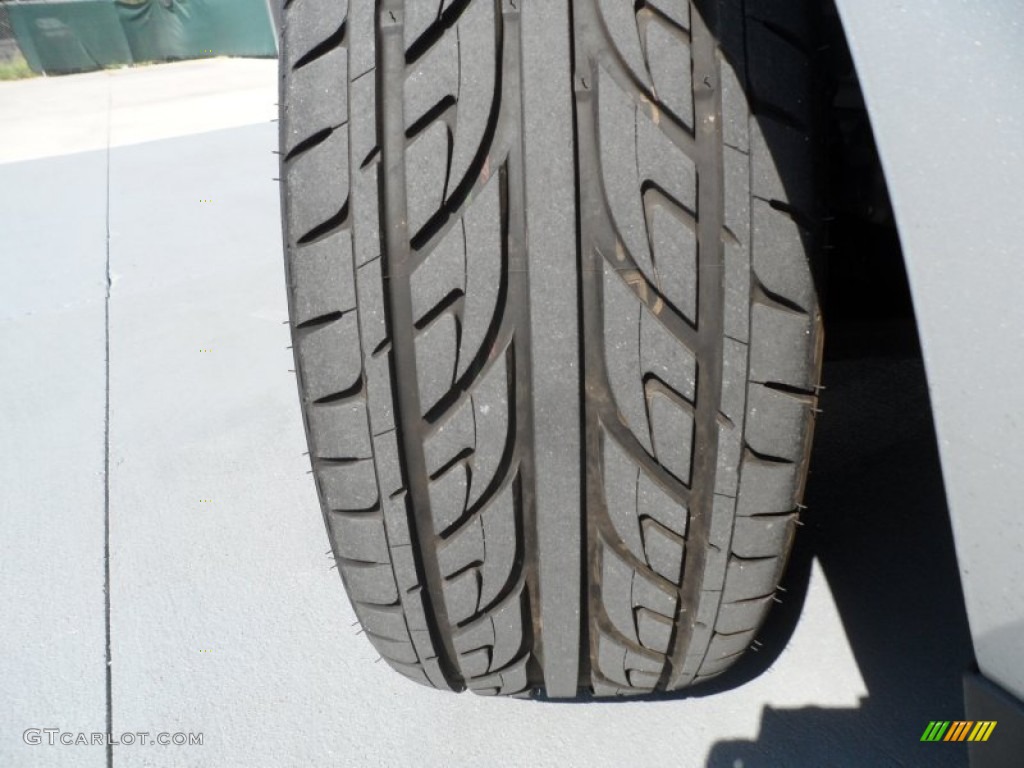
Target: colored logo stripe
(935, 731)
(958, 730)
(982, 730)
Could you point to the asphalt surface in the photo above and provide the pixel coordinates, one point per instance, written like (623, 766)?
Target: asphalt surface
(152, 443)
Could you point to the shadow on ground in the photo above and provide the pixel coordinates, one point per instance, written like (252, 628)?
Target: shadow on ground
(878, 525)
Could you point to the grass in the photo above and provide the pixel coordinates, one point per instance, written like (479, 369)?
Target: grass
(16, 69)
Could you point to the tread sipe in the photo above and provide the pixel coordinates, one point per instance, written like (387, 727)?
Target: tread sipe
(556, 334)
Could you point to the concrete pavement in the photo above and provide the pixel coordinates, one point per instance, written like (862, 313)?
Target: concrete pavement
(224, 615)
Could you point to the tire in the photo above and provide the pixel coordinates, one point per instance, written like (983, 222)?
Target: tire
(558, 395)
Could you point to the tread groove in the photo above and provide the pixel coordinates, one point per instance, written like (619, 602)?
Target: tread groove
(402, 357)
(337, 39)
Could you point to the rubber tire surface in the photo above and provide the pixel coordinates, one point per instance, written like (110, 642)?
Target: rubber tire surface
(555, 328)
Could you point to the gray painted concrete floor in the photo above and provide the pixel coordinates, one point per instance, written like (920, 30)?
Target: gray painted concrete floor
(224, 615)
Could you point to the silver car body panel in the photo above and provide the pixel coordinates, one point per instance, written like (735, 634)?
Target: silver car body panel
(944, 85)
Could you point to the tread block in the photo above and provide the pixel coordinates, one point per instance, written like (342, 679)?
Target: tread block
(500, 539)
(643, 662)
(317, 97)
(476, 634)
(396, 519)
(750, 578)
(330, 360)
(462, 596)
(366, 221)
(322, 278)
(664, 552)
(383, 621)
(710, 668)
(489, 408)
(661, 355)
(484, 271)
(611, 660)
(453, 438)
(433, 78)
(662, 162)
(677, 11)
(378, 389)
(369, 583)
(644, 681)
(389, 471)
(735, 111)
(372, 318)
(622, 359)
(675, 259)
(767, 487)
(426, 169)
(723, 646)
(617, 593)
(475, 663)
(716, 558)
(620, 484)
(776, 333)
(672, 428)
(440, 275)
(737, 244)
(621, 23)
(420, 16)
(741, 615)
(668, 56)
(778, 260)
(477, 62)
(508, 630)
(448, 497)
(360, 537)
(349, 486)
(318, 186)
(762, 536)
(654, 631)
(654, 503)
(647, 594)
(404, 563)
(464, 548)
(620, 173)
(319, 21)
(437, 349)
(341, 429)
(394, 650)
(779, 422)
